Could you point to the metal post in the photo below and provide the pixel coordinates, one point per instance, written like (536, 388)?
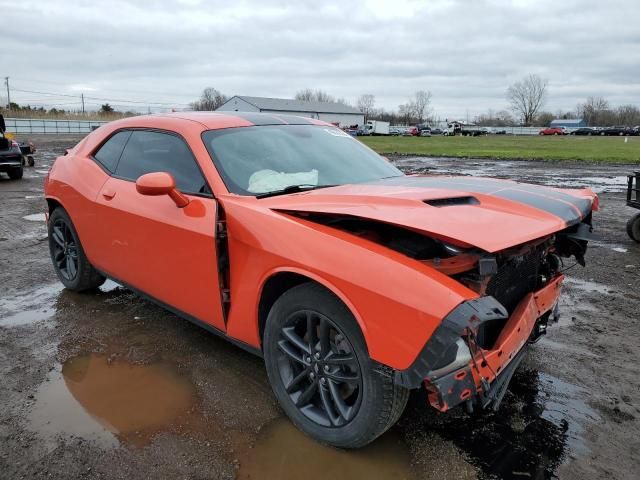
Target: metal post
(6, 81)
(82, 98)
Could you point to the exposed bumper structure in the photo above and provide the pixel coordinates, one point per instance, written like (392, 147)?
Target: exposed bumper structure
(483, 375)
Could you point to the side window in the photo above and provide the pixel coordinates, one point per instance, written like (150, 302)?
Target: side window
(110, 151)
(148, 152)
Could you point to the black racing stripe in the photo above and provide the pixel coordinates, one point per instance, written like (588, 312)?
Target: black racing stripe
(259, 118)
(560, 209)
(557, 203)
(582, 204)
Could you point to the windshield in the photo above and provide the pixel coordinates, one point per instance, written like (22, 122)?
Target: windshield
(261, 159)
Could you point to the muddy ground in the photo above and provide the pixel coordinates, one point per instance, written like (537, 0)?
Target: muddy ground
(107, 385)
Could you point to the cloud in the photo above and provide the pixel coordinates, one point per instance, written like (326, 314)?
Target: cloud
(466, 53)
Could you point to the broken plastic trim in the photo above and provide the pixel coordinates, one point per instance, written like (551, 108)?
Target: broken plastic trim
(437, 352)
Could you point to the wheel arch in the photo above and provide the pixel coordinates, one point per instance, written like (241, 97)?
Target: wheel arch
(279, 281)
(53, 203)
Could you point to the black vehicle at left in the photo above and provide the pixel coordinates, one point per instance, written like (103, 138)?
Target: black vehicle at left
(10, 155)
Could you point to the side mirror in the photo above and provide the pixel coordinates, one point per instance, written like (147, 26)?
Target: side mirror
(160, 183)
(3, 127)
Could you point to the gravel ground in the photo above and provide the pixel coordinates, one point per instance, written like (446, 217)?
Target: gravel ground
(107, 385)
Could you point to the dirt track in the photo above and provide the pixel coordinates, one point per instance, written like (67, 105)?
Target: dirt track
(107, 385)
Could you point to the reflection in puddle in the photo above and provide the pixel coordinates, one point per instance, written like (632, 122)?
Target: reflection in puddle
(103, 399)
(35, 217)
(564, 404)
(283, 452)
(19, 310)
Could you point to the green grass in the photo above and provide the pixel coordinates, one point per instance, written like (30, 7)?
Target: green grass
(590, 149)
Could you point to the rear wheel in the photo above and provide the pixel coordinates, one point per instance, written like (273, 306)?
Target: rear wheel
(68, 257)
(633, 228)
(15, 173)
(321, 373)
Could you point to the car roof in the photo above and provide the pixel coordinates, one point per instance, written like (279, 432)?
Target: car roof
(217, 120)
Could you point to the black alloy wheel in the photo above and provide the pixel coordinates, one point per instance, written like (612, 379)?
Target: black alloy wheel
(321, 373)
(69, 260)
(64, 250)
(319, 369)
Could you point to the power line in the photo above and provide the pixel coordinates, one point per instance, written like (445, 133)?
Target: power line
(138, 102)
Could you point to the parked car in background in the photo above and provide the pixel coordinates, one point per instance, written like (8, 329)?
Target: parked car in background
(411, 131)
(284, 235)
(553, 131)
(583, 131)
(395, 131)
(425, 132)
(500, 132)
(616, 131)
(11, 160)
(436, 131)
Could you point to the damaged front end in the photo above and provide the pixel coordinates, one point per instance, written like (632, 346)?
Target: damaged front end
(472, 355)
(474, 352)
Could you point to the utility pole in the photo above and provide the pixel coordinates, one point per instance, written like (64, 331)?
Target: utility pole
(6, 81)
(82, 98)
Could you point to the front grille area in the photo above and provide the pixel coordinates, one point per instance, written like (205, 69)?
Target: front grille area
(516, 277)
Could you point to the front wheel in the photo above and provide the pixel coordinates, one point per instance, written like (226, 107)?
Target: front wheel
(633, 228)
(68, 257)
(321, 373)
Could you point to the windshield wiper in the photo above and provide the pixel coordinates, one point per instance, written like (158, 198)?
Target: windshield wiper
(292, 189)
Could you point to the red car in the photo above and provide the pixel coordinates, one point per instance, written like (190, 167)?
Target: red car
(553, 131)
(295, 241)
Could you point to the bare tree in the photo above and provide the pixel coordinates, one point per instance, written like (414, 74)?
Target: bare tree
(421, 104)
(365, 104)
(527, 97)
(595, 111)
(210, 100)
(309, 95)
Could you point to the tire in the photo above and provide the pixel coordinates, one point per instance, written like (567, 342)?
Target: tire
(620, 134)
(30, 161)
(602, 134)
(541, 134)
(633, 228)
(15, 173)
(67, 255)
(556, 133)
(589, 134)
(345, 414)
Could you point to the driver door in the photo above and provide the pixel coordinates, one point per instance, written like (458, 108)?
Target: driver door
(152, 245)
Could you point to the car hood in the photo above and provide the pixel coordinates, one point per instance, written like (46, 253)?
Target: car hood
(485, 213)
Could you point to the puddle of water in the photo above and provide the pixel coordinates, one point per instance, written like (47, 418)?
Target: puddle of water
(109, 286)
(29, 197)
(619, 249)
(588, 286)
(110, 401)
(283, 452)
(540, 419)
(33, 307)
(35, 217)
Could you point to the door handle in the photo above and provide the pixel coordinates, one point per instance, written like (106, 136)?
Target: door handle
(108, 193)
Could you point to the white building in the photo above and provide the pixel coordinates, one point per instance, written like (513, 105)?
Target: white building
(336, 113)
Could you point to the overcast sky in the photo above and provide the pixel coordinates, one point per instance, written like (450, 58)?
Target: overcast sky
(465, 52)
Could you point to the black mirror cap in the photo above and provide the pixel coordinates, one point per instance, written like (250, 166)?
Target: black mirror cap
(3, 127)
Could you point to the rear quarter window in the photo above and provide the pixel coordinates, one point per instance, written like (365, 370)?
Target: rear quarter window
(109, 153)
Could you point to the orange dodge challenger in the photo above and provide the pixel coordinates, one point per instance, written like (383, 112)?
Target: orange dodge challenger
(355, 282)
